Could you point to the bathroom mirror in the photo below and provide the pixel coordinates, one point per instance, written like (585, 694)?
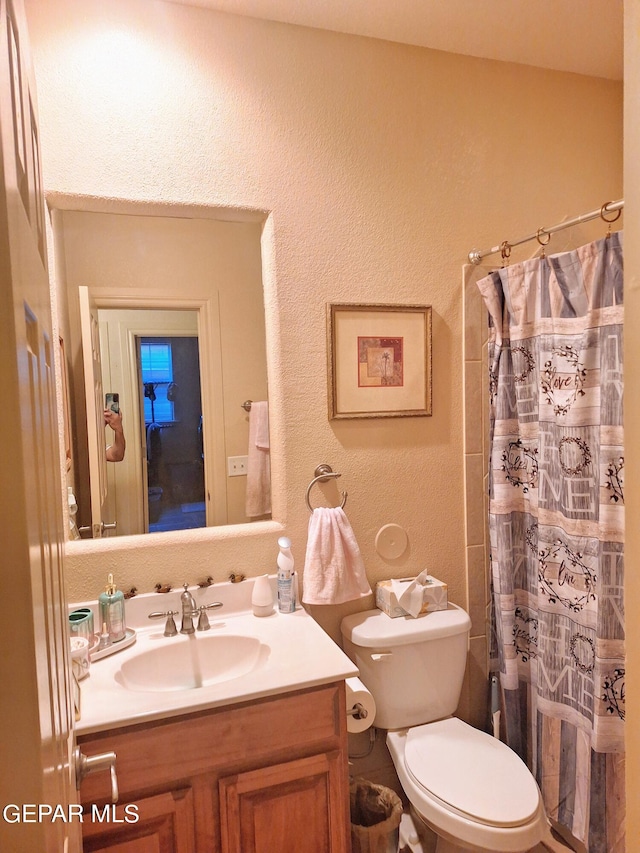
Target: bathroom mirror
(176, 303)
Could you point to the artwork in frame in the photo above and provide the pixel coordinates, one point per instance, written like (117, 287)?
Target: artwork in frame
(379, 360)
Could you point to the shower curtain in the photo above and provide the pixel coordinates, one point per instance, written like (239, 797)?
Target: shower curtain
(556, 527)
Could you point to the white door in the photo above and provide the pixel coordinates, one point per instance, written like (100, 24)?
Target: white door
(36, 711)
(90, 328)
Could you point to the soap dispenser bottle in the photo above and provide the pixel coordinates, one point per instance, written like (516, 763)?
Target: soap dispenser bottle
(286, 577)
(112, 610)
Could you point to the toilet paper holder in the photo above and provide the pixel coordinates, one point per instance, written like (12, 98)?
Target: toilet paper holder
(359, 706)
(358, 712)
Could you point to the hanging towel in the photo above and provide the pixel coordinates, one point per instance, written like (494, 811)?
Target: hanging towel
(258, 500)
(333, 569)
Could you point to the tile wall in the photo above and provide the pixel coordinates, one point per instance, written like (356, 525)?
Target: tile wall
(475, 699)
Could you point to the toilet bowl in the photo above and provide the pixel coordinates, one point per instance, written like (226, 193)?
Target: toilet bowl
(471, 789)
(468, 787)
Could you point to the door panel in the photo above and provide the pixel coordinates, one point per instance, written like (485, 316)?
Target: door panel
(36, 719)
(163, 823)
(90, 327)
(287, 807)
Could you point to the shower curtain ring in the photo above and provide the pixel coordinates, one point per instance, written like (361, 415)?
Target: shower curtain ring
(542, 242)
(505, 250)
(605, 209)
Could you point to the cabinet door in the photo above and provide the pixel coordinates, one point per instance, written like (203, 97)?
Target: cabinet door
(300, 805)
(165, 825)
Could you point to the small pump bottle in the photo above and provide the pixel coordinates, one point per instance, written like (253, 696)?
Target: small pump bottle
(112, 610)
(286, 577)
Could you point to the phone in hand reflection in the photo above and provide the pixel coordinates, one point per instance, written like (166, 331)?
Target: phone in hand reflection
(112, 402)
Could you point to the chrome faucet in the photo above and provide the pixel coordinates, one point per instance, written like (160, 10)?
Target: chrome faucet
(189, 610)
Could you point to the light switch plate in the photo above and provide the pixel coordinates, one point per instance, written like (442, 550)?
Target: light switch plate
(237, 466)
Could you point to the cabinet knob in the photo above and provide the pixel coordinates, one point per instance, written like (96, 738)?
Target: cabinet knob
(86, 764)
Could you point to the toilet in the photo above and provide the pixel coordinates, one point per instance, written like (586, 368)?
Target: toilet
(471, 789)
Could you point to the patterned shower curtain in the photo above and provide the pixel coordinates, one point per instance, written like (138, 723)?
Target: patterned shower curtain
(556, 522)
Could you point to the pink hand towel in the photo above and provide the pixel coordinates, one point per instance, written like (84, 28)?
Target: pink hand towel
(333, 569)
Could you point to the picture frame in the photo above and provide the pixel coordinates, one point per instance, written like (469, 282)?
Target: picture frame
(379, 360)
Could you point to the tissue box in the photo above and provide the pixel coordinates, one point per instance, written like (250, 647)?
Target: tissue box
(434, 597)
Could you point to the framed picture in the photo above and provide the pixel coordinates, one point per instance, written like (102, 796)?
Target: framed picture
(379, 361)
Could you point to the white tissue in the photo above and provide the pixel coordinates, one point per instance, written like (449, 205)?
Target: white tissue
(412, 597)
(357, 693)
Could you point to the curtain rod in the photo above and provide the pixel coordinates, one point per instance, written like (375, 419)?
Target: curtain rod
(475, 255)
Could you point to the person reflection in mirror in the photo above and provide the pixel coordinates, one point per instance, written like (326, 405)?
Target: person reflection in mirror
(115, 451)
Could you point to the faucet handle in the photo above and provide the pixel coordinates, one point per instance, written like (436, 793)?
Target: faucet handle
(170, 629)
(203, 619)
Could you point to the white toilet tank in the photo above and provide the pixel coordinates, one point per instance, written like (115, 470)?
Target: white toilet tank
(414, 668)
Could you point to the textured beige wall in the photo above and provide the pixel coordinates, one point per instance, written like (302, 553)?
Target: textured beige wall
(380, 165)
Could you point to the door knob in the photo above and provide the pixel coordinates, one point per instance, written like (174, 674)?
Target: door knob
(97, 530)
(86, 764)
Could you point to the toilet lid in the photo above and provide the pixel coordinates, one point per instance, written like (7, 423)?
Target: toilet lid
(471, 772)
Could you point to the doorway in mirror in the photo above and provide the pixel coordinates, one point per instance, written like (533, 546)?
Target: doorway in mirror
(170, 400)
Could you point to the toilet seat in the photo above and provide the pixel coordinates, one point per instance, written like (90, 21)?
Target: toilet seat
(471, 773)
(448, 820)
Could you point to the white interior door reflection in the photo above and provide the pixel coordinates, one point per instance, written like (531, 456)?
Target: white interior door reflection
(151, 358)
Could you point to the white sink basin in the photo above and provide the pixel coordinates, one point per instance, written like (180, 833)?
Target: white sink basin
(192, 662)
(241, 658)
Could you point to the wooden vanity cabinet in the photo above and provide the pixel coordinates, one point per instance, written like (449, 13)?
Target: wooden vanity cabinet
(269, 776)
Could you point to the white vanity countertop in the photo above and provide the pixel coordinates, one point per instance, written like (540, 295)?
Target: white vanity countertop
(299, 655)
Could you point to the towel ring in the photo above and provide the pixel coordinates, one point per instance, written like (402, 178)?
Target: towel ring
(323, 473)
